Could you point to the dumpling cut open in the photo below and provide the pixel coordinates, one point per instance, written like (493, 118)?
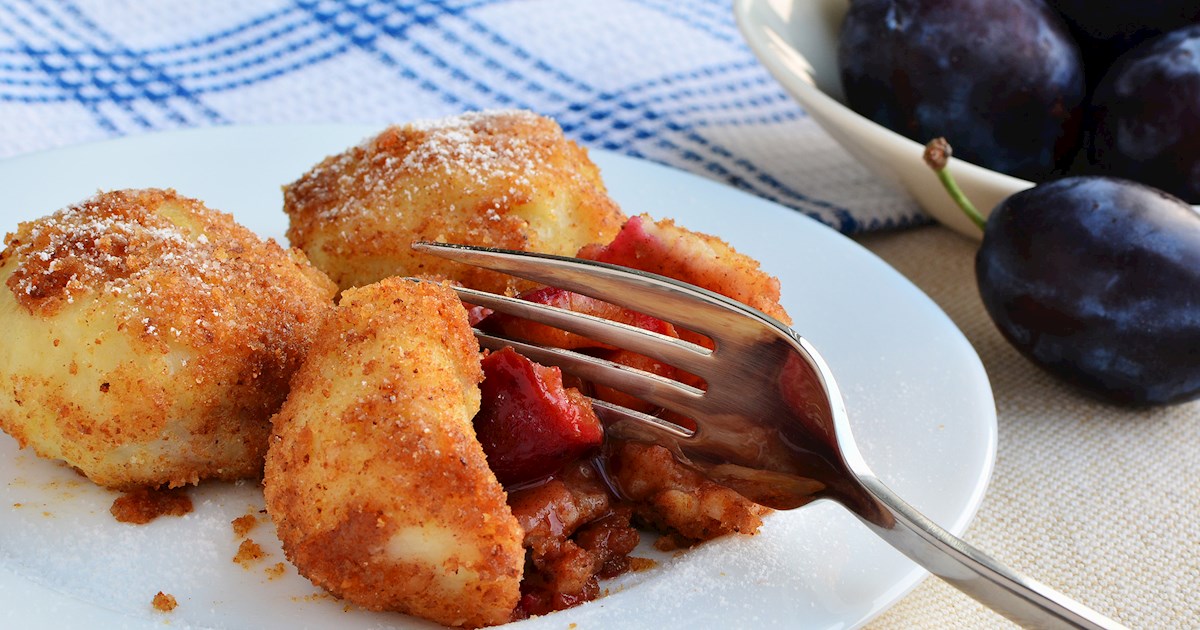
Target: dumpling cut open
(379, 489)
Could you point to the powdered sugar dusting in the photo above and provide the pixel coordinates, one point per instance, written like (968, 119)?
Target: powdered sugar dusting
(175, 266)
(472, 151)
(475, 142)
(106, 245)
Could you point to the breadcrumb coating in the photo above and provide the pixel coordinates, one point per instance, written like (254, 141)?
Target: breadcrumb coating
(668, 249)
(503, 178)
(677, 500)
(149, 339)
(378, 487)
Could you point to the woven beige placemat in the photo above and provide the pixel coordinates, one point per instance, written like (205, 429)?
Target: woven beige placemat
(1100, 502)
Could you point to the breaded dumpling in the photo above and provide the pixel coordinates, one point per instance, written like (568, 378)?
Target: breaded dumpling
(668, 249)
(506, 179)
(149, 339)
(377, 485)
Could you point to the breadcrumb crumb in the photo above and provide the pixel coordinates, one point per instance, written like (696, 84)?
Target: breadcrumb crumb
(248, 553)
(242, 525)
(163, 602)
(142, 505)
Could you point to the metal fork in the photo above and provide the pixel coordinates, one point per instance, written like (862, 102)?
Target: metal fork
(771, 423)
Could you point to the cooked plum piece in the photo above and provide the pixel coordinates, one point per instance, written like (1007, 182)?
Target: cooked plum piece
(529, 424)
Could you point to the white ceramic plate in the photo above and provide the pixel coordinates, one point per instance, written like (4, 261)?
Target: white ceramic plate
(797, 41)
(917, 394)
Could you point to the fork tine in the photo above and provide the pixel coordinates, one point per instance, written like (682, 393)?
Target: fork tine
(669, 350)
(627, 423)
(651, 388)
(700, 310)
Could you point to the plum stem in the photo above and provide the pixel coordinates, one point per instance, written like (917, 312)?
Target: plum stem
(937, 156)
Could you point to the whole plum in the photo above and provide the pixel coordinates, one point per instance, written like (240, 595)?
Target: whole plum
(1105, 29)
(1146, 116)
(1098, 280)
(1001, 77)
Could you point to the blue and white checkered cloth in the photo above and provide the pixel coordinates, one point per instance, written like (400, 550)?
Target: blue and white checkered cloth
(667, 80)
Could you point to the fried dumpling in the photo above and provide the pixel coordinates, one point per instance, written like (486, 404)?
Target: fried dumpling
(378, 487)
(149, 339)
(503, 178)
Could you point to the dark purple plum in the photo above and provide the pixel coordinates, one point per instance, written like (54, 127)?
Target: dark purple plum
(1002, 78)
(1146, 116)
(1098, 280)
(1105, 29)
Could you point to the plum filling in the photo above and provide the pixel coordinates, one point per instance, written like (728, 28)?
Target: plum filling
(577, 495)
(543, 335)
(529, 424)
(540, 438)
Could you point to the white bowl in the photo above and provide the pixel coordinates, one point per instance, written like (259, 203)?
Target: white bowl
(797, 42)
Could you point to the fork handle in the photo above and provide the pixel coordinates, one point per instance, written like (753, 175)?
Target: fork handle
(1022, 600)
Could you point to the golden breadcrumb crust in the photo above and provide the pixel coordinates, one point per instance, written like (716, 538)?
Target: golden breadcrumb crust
(678, 500)
(505, 179)
(149, 339)
(704, 260)
(378, 487)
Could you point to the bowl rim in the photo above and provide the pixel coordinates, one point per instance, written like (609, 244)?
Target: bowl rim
(795, 73)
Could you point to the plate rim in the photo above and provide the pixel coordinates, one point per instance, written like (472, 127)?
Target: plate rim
(901, 587)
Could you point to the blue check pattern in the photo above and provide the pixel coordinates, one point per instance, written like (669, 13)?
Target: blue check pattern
(666, 80)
